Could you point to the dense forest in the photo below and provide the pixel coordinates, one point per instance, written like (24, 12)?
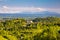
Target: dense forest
(47, 28)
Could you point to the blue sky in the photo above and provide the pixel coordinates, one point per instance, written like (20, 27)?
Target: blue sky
(50, 5)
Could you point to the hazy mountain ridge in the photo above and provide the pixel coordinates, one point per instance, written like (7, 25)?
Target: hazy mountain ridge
(28, 14)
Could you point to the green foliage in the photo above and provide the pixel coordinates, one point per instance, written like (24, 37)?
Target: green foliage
(39, 29)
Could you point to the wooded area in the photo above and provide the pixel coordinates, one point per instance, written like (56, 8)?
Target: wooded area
(36, 29)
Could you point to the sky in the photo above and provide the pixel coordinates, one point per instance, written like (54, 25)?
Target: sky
(18, 6)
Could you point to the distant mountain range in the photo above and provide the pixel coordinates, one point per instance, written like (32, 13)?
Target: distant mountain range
(29, 14)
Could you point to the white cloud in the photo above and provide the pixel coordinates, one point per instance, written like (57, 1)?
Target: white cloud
(57, 10)
(6, 9)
